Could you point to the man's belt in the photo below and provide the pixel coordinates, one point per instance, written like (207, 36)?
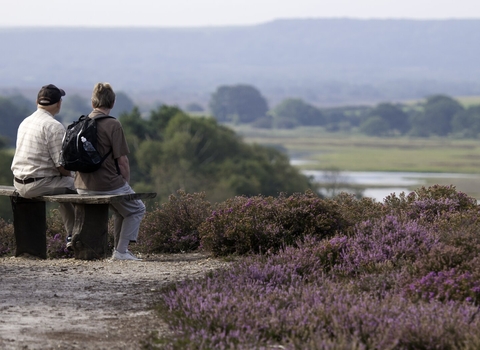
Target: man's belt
(28, 180)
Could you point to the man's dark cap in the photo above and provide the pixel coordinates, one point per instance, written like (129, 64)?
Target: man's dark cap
(49, 95)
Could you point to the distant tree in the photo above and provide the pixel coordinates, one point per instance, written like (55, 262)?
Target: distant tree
(176, 151)
(11, 115)
(123, 103)
(73, 107)
(135, 125)
(238, 103)
(334, 116)
(160, 118)
(344, 118)
(396, 119)
(375, 126)
(436, 117)
(299, 112)
(466, 123)
(137, 130)
(23, 103)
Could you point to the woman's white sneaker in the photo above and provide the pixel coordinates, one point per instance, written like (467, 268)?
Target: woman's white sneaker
(124, 256)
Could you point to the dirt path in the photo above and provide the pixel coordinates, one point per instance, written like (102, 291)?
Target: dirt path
(73, 304)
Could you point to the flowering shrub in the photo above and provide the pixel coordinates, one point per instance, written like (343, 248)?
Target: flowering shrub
(312, 256)
(243, 225)
(355, 210)
(240, 225)
(430, 203)
(388, 240)
(396, 275)
(445, 286)
(458, 244)
(265, 303)
(173, 227)
(446, 192)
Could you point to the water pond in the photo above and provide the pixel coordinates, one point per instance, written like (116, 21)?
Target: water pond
(378, 184)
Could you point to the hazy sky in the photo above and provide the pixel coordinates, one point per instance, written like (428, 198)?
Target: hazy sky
(183, 13)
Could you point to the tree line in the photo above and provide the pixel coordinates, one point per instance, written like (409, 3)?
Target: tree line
(437, 115)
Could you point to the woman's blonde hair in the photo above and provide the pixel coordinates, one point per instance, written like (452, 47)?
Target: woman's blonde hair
(103, 96)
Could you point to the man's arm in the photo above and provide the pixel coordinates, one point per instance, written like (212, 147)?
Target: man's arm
(124, 167)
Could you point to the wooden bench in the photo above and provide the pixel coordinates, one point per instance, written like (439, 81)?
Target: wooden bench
(90, 231)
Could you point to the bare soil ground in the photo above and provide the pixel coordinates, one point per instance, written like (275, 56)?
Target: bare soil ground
(74, 304)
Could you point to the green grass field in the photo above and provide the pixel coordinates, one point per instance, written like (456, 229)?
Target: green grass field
(363, 153)
(325, 151)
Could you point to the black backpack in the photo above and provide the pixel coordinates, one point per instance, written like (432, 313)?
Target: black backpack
(79, 144)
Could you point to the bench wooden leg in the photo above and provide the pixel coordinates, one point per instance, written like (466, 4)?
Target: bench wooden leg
(90, 232)
(30, 226)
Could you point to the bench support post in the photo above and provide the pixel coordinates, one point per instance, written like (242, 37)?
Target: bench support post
(30, 225)
(90, 232)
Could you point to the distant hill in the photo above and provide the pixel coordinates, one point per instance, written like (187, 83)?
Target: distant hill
(324, 61)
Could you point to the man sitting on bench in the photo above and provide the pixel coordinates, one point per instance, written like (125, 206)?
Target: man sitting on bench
(36, 165)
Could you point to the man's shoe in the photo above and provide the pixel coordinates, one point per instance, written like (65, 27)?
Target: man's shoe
(124, 256)
(69, 243)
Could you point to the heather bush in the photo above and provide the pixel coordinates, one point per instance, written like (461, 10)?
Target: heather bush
(459, 243)
(243, 225)
(446, 286)
(429, 203)
(173, 226)
(387, 242)
(355, 210)
(446, 192)
(275, 302)
(396, 275)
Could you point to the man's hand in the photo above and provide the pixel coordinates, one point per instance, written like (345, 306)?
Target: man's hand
(64, 172)
(124, 167)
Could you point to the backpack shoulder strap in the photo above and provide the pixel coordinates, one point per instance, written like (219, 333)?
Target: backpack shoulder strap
(103, 117)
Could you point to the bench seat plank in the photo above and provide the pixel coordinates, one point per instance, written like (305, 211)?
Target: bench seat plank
(80, 198)
(94, 199)
(7, 191)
